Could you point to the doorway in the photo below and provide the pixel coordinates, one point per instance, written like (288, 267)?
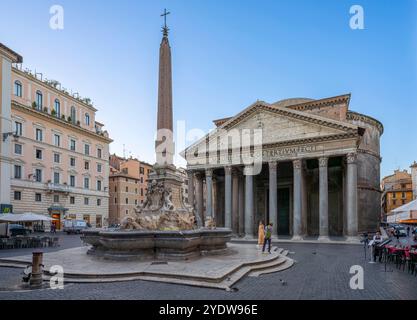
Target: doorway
(283, 211)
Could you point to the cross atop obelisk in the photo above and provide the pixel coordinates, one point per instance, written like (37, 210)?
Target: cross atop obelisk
(164, 144)
(165, 28)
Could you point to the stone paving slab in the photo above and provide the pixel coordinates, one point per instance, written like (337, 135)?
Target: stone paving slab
(212, 271)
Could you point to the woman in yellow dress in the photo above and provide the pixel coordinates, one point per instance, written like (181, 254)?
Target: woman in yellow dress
(261, 233)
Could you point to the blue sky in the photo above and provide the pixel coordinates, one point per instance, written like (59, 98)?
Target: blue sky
(226, 55)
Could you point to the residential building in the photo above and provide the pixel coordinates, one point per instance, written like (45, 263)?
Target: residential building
(128, 186)
(396, 191)
(414, 178)
(58, 156)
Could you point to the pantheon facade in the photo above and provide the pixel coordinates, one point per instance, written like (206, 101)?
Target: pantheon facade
(318, 170)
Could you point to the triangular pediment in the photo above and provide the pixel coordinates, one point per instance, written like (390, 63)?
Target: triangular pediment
(280, 124)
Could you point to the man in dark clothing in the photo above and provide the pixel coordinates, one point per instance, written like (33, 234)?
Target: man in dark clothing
(268, 235)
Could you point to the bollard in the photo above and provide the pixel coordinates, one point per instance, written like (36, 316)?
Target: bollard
(36, 277)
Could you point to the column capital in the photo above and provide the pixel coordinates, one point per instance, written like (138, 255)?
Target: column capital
(297, 163)
(209, 172)
(273, 165)
(351, 157)
(228, 170)
(323, 161)
(198, 174)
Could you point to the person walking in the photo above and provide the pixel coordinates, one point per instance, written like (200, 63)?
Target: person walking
(268, 235)
(261, 234)
(408, 231)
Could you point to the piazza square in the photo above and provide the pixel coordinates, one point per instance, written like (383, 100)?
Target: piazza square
(257, 175)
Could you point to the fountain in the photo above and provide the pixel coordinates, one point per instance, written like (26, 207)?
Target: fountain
(163, 227)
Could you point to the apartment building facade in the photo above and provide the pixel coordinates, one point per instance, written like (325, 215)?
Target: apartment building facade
(58, 154)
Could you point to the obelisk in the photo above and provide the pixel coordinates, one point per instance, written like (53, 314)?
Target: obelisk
(164, 144)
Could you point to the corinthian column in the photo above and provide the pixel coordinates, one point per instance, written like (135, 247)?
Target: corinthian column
(209, 198)
(352, 197)
(323, 199)
(235, 201)
(228, 197)
(190, 174)
(200, 198)
(273, 214)
(248, 203)
(297, 227)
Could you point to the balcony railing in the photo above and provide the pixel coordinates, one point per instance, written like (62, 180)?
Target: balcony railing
(56, 187)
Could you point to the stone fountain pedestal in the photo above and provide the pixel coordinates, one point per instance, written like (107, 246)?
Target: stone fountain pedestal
(156, 245)
(163, 228)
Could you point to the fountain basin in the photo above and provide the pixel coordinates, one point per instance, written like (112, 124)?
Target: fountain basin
(156, 245)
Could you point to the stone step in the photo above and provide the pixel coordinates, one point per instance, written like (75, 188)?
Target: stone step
(288, 263)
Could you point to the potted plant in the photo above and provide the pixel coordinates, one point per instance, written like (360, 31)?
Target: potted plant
(63, 117)
(69, 119)
(78, 122)
(45, 109)
(34, 105)
(53, 112)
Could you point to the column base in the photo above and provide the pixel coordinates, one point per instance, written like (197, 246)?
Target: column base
(249, 237)
(297, 238)
(352, 239)
(323, 238)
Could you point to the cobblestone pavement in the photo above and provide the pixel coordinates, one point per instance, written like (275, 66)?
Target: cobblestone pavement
(321, 272)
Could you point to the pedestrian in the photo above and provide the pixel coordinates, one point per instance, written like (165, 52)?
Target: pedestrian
(376, 249)
(53, 228)
(397, 234)
(408, 231)
(268, 235)
(261, 234)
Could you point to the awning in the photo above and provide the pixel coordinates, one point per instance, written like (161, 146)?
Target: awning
(24, 217)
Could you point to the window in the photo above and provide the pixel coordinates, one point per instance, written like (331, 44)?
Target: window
(99, 153)
(56, 177)
(56, 198)
(72, 200)
(403, 195)
(98, 202)
(141, 192)
(127, 200)
(136, 190)
(394, 195)
(72, 145)
(72, 162)
(86, 201)
(86, 183)
(87, 149)
(58, 108)
(115, 200)
(72, 181)
(98, 185)
(394, 202)
(127, 189)
(18, 128)
(39, 100)
(39, 154)
(17, 172)
(136, 201)
(141, 179)
(98, 167)
(57, 140)
(127, 212)
(38, 135)
(18, 195)
(38, 197)
(38, 175)
(57, 158)
(18, 148)
(73, 113)
(86, 165)
(141, 170)
(18, 88)
(87, 119)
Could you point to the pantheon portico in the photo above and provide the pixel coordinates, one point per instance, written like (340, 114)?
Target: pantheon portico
(318, 172)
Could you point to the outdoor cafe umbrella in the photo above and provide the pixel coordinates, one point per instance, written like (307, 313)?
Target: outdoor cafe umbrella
(23, 217)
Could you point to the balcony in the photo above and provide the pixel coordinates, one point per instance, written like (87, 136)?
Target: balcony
(56, 187)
